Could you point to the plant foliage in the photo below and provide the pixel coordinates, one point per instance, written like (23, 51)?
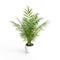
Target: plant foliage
(29, 27)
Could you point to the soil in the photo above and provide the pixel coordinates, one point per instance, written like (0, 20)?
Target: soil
(29, 44)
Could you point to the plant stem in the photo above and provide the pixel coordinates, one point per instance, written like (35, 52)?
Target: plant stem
(29, 42)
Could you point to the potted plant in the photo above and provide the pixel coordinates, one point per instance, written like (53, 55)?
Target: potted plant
(29, 27)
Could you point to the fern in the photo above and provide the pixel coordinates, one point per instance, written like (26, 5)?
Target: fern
(29, 27)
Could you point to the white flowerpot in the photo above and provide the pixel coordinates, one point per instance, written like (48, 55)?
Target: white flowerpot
(29, 49)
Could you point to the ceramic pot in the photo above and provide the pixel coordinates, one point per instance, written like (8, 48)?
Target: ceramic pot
(28, 49)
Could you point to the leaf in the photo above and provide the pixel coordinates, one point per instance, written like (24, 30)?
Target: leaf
(41, 26)
(18, 20)
(16, 25)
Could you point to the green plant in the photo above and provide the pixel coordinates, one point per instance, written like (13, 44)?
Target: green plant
(29, 27)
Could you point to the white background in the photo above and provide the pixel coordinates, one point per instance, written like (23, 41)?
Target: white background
(47, 45)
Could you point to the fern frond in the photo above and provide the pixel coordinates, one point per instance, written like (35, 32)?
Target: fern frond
(39, 28)
(28, 12)
(16, 25)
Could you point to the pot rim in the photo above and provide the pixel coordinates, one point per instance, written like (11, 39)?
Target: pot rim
(29, 45)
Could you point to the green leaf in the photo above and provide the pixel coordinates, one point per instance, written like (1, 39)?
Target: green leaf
(39, 28)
